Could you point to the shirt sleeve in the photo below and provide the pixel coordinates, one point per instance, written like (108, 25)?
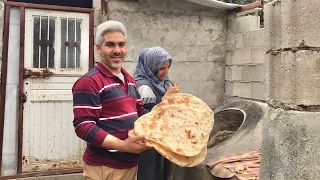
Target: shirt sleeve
(147, 94)
(86, 109)
(140, 107)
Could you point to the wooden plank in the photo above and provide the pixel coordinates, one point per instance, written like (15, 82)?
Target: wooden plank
(43, 130)
(52, 86)
(57, 130)
(21, 95)
(64, 130)
(49, 7)
(36, 135)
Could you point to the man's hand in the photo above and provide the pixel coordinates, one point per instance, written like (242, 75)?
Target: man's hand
(132, 145)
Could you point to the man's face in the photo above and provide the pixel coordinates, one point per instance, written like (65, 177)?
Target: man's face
(113, 50)
(163, 71)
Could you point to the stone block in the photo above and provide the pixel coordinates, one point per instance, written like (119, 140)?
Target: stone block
(241, 56)
(290, 145)
(252, 73)
(239, 40)
(254, 38)
(258, 91)
(245, 23)
(242, 89)
(258, 55)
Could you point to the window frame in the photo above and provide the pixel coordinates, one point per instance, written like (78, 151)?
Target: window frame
(57, 70)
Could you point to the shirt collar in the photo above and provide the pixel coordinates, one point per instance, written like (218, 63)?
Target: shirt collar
(107, 73)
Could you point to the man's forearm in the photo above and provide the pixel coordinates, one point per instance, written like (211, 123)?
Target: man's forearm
(112, 142)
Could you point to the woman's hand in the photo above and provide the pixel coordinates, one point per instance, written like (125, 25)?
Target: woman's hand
(172, 90)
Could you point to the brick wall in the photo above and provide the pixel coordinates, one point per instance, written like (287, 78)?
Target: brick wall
(245, 59)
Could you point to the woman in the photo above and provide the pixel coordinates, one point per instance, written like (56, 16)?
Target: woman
(151, 76)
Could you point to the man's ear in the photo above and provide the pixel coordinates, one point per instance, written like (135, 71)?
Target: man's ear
(98, 48)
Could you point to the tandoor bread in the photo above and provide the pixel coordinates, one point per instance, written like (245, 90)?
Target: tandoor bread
(177, 127)
(180, 160)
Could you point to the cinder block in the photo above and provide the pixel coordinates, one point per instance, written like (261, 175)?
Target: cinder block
(216, 54)
(258, 55)
(252, 73)
(242, 89)
(241, 56)
(130, 67)
(205, 71)
(97, 17)
(258, 91)
(294, 78)
(254, 38)
(228, 75)
(307, 78)
(231, 41)
(245, 23)
(96, 4)
(131, 6)
(239, 40)
(229, 55)
(283, 77)
(233, 73)
(210, 94)
(272, 21)
(229, 88)
(293, 23)
(290, 145)
(300, 22)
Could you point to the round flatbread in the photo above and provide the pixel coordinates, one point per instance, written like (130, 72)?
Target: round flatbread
(182, 161)
(181, 123)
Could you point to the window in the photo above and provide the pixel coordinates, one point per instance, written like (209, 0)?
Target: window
(57, 41)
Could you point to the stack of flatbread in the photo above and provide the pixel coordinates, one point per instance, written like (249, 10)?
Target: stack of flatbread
(178, 128)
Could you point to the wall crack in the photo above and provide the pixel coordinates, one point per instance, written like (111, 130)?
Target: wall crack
(293, 49)
(294, 107)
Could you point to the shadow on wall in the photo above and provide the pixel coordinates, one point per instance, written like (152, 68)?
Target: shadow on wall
(237, 129)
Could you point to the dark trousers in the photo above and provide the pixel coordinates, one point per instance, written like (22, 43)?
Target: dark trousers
(153, 166)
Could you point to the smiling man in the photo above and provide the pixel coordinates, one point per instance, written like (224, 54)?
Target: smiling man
(106, 104)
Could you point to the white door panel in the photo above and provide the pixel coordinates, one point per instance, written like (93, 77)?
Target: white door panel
(56, 42)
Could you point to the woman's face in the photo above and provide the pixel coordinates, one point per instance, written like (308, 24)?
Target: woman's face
(163, 71)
